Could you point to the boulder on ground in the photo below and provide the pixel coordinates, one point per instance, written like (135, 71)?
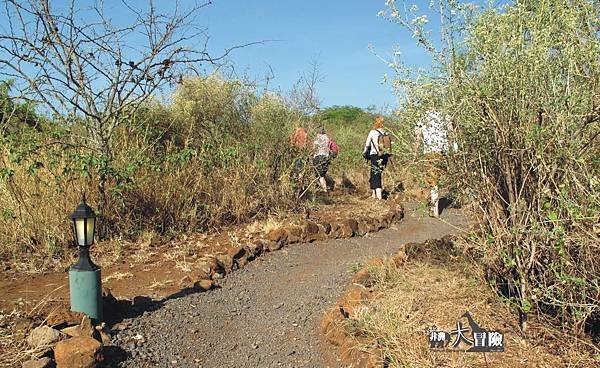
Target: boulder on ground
(240, 255)
(202, 269)
(241, 262)
(352, 224)
(276, 239)
(87, 328)
(344, 229)
(311, 231)
(376, 262)
(236, 252)
(255, 248)
(62, 316)
(399, 213)
(363, 225)
(22, 325)
(78, 352)
(400, 257)
(362, 277)
(215, 267)
(331, 328)
(294, 234)
(225, 261)
(204, 285)
(42, 336)
(351, 301)
(372, 224)
(326, 226)
(104, 334)
(186, 282)
(332, 325)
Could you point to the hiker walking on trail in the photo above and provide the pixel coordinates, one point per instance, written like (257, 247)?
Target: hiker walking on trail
(377, 152)
(432, 134)
(298, 141)
(321, 160)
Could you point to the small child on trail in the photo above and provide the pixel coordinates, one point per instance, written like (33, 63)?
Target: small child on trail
(378, 154)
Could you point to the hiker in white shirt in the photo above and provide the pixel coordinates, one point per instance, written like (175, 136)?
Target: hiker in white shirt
(432, 133)
(321, 157)
(378, 160)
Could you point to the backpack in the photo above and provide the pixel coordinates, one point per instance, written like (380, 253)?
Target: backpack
(384, 141)
(333, 149)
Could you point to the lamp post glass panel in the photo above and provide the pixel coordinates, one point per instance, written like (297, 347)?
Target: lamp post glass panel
(85, 285)
(84, 224)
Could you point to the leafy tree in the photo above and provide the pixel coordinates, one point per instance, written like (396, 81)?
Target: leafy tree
(342, 114)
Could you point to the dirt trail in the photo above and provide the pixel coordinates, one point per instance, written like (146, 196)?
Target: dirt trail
(266, 314)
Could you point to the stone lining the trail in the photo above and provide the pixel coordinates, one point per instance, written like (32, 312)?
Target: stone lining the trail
(333, 324)
(217, 265)
(267, 314)
(74, 352)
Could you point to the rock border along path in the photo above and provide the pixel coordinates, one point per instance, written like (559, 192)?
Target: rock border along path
(266, 314)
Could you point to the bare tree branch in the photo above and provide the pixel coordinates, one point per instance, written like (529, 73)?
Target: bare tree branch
(81, 65)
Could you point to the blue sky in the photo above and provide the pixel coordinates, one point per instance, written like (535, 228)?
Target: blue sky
(334, 32)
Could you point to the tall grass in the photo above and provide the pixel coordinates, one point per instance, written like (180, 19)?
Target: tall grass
(216, 153)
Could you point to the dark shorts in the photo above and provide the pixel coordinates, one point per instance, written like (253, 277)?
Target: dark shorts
(377, 165)
(298, 166)
(321, 164)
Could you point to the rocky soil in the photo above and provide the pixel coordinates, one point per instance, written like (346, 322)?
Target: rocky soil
(266, 314)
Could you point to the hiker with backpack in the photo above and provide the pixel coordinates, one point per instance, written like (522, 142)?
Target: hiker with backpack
(377, 151)
(325, 149)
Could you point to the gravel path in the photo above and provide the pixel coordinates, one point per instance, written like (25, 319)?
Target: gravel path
(267, 314)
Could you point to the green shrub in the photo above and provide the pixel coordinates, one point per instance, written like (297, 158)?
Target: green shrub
(218, 154)
(521, 87)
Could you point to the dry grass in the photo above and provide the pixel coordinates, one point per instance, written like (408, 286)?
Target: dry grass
(12, 347)
(271, 223)
(165, 177)
(183, 265)
(14, 326)
(160, 284)
(117, 276)
(416, 296)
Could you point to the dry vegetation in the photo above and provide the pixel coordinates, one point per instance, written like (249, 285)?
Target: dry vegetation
(520, 85)
(429, 290)
(217, 154)
(213, 151)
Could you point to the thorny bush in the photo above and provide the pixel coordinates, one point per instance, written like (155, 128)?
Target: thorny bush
(521, 85)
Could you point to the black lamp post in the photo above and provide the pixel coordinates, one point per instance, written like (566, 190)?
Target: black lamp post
(84, 226)
(85, 282)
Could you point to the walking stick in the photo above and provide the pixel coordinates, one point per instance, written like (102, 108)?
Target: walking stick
(308, 187)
